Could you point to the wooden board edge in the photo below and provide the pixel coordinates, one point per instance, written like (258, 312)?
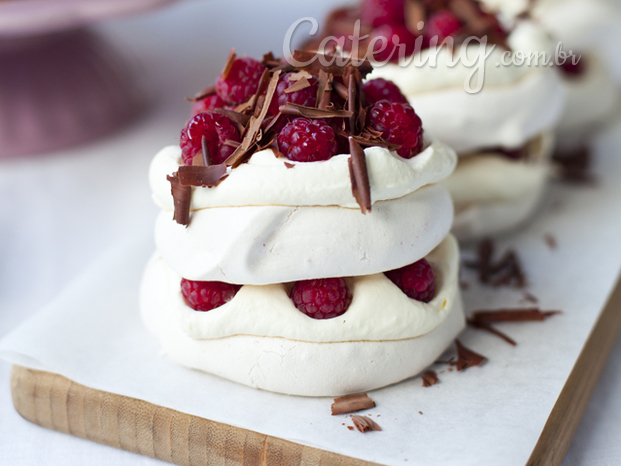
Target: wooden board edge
(574, 398)
(57, 403)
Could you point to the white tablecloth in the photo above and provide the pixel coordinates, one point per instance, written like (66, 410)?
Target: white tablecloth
(60, 211)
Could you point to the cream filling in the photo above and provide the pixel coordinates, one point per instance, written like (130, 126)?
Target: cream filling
(259, 245)
(489, 177)
(379, 310)
(266, 180)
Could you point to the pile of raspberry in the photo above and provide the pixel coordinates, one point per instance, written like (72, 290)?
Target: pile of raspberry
(217, 128)
(395, 29)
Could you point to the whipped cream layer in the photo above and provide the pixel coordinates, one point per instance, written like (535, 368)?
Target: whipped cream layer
(591, 98)
(515, 103)
(578, 24)
(272, 244)
(266, 180)
(379, 310)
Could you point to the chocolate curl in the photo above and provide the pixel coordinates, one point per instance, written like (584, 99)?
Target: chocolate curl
(229, 63)
(529, 314)
(312, 113)
(209, 176)
(359, 176)
(206, 155)
(202, 94)
(181, 199)
(336, 66)
(414, 13)
(351, 403)
(466, 358)
(364, 423)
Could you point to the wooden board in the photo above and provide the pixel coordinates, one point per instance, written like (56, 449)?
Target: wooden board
(57, 403)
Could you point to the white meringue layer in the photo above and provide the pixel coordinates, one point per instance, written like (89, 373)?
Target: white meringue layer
(508, 191)
(271, 244)
(592, 97)
(266, 180)
(514, 104)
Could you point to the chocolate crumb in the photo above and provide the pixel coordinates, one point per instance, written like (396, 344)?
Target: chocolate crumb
(351, 404)
(289, 165)
(181, 199)
(530, 297)
(550, 240)
(350, 427)
(575, 166)
(364, 424)
(466, 358)
(429, 378)
(420, 412)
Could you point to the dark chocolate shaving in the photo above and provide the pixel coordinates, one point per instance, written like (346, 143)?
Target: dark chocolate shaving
(430, 378)
(202, 94)
(414, 13)
(181, 199)
(483, 319)
(312, 113)
(331, 64)
(206, 159)
(209, 176)
(528, 314)
(364, 424)
(289, 165)
(550, 240)
(298, 86)
(530, 297)
(466, 358)
(240, 118)
(505, 272)
(351, 404)
(228, 64)
(575, 166)
(253, 129)
(359, 176)
(487, 327)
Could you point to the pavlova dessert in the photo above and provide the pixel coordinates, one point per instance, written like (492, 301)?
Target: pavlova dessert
(303, 244)
(583, 31)
(467, 77)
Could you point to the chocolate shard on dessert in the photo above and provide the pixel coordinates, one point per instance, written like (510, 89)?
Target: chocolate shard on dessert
(303, 243)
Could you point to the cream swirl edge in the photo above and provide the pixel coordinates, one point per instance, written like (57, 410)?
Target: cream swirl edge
(266, 180)
(379, 311)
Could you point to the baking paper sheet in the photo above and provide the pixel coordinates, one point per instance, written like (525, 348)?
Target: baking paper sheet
(486, 415)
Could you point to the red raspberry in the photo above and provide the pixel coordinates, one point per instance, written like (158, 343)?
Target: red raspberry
(399, 125)
(208, 103)
(217, 128)
(323, 298)
(416, 280)
(382, 89)
(306, 97)
(393, 33)
(442, 24)
(241, 81)
(205, 296)
(379, 12)
(305, 140)
(571, 70)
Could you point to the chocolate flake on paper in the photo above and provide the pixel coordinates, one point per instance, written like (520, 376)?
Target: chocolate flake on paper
(507, 271)
(484, 319)
(351, 403)
(430, 378)
(364, 424)
(466, 357)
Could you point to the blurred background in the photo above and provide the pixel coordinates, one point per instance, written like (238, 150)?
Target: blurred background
(62, 208)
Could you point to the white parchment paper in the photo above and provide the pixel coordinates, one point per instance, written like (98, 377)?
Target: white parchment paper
(486, 415)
